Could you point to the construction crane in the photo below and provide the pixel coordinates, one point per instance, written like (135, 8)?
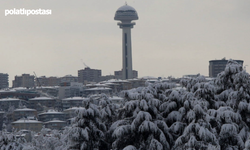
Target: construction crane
(37, 79)
(85, 64)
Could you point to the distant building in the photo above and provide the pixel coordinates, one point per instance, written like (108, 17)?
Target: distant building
(4, 80)
(97, 90)
(51, 115)
(118, 74)
(107, 77)
(217, 66)
(21, 93)
(55, 124)
(24, 113)
(71, 89)
(71, 112)
(25, 80)
(89, 75)
(69, 78)
(5, 103)
(47, 81)
(27, 124)
(72, 102)
(42, 103)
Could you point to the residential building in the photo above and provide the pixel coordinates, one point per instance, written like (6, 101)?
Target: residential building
(27, 124)
(20, 92)
(89, 75)
(42, 103)
(107, 77)
(51, 115)
(24, 113)
(4, 80)
(97, 90)
(72, 102)
(70, 89)
(5, 103)
(71, 112)
(47, 81)
(55, 124)
(25, 80)
(69, 78)
(217, 66)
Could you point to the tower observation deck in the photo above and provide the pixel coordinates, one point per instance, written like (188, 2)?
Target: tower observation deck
(126, 14)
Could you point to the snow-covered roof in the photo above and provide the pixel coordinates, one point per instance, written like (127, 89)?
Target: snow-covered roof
(148, 77)
(116, 81)
(74, 98)
(73, 108)
(51, 112)
(25, 109)
(55, 121)
(26, 121)
(110, 83)
(9, 99)
(41, 98)
(47, 87)
(116, 98)
(98, 89)
(98, 84)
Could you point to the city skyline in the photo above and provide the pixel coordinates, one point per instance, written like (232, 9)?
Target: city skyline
(171, 38)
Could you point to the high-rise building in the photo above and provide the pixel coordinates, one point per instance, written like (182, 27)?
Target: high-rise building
(4, 80)
(126, 14)
(217, 66)
(26, 80)
(89, 75)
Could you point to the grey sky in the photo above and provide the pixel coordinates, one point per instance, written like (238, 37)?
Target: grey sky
(171, 37)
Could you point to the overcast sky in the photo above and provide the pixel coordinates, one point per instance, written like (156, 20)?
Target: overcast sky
(171, 37)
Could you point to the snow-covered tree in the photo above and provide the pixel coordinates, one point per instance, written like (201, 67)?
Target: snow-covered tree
(87, 130)
(9, 141)
(141, 125)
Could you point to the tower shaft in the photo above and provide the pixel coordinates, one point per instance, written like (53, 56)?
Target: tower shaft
(127, 69)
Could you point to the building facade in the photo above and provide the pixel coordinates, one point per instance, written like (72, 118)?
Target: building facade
(42, 103)
(47, 81)
(27, 124)
(51, 115)
(72, 102)
(24, 113)
(4, 80)
(89, 75)
(118, 74)
(68, 78)
(25, 80)
(217, 66)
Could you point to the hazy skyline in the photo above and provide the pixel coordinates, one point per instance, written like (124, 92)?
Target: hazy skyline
(170, 38)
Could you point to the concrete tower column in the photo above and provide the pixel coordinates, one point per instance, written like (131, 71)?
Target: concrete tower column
(127, 70)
